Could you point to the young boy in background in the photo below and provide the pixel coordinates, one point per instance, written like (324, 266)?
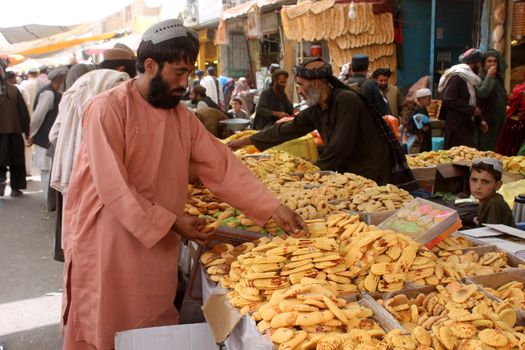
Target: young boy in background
(485, 180)
(416, 134)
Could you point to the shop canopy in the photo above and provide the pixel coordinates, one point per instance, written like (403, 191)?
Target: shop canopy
(243, 9)
(32, 32)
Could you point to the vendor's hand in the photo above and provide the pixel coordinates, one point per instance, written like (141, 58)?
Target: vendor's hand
(280, 115)
(289, 220)
(492, 71)
(239, 143)
(484, 127)
(188, 227)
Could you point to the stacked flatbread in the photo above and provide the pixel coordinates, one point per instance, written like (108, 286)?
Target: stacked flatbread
(368, 33)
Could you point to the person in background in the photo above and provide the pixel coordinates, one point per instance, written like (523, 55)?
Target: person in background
(31, 88)
(199, 73)
(356, 137)
(236, 111)
(14, 121)
(213, 87)
(241, 90)
(268, 79)
(76, 72)
(397, 105)
(228, 88)
(66, 133)
(359, 82)
(43, 76)
(200, 99)
(417, 131)
(457, 87)
(273, 102)
(492, 100)
(485, 181)
(124, 217)
(43, 118)
(512, 136)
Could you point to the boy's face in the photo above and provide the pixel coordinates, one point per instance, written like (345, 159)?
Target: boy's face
(483, 184)
(236, 106)
(425, 101)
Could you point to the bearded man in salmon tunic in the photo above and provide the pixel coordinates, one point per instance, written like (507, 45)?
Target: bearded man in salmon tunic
(123, 220)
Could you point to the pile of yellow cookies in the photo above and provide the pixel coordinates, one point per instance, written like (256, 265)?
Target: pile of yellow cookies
(299, 316)
(457, 316)
(511, 292)
(381, 198)
(452, 244)
(470, 263)
(277, 162)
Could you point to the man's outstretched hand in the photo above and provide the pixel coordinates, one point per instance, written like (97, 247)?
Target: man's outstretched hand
(239, 143)
(289, 220)
(190, 227)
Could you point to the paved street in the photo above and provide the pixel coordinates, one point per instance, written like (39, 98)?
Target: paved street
(30, 280)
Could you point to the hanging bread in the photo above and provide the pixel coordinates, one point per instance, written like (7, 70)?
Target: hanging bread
(500, 13)
(346, 22)
(309, 29)
(317, 20)
(497, 33)
(321, 6)
(286, 24)
(299, 9)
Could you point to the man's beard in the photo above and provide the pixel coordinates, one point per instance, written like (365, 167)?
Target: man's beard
(279, 88)
(313, 97)
(160, 95)
(383, 87)
(475, 69)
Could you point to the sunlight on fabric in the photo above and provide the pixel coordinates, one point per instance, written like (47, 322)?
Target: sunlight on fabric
(23, 315)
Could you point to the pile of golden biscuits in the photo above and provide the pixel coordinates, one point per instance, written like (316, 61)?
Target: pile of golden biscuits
(512, 292)
(457, 316)
(300, 316)
(471, 263)
(381, 198)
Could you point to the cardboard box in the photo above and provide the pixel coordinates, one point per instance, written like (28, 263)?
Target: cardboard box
(496, 280)
(372, 218)
(425, 177)
(512, 259)
(452, 178)
(182, 337)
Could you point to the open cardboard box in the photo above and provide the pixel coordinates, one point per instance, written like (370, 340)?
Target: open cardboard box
(425, 177)
(240, 332)
(496, 280)
(372, 218)
(196, 336)
(512, 259)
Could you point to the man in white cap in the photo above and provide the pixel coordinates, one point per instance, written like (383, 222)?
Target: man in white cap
(123, 218)
(43, 118)
(458, 89)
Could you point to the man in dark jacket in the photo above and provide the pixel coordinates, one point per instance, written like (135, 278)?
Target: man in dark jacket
(492, 100)
(357, 138)
(360, 83)
(273, 102)
(43, 118)
(14, 121)
(458, 89)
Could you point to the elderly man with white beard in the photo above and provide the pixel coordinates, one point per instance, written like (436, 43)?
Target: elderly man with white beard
(356, 137)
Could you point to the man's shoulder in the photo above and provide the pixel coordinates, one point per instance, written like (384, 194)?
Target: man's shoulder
(116, 97)
(497, 201)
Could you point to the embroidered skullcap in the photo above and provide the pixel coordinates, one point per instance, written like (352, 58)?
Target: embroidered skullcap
(423, 93)
(117, 54)
(495, 163)
(167, 30)
(57, 72)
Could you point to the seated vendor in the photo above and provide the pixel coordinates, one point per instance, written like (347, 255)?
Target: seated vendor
(485, 180)
(273, 103)
(357, 139)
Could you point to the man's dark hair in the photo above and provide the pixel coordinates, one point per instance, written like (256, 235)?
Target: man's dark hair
(382, 71)
(488, 168)
(178, 49)
(277, 73)
(199, 90)
(129, 66)
(10, 75)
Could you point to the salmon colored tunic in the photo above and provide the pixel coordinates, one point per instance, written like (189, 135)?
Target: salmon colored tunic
(129, 184)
